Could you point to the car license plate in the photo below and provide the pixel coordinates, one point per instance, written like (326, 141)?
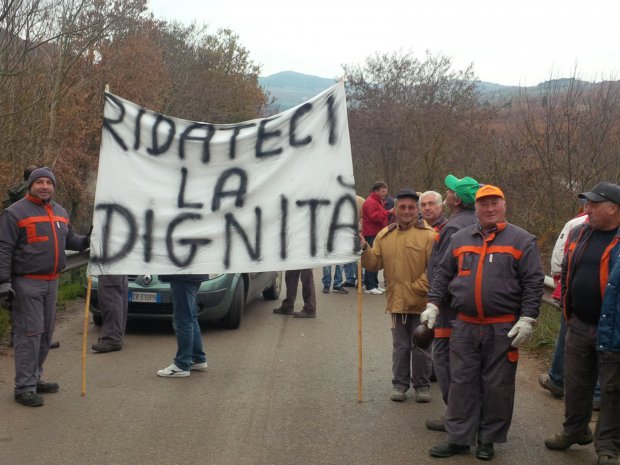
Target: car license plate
(148, 297)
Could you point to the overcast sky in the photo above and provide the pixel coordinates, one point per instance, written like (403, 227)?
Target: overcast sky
(511, 43)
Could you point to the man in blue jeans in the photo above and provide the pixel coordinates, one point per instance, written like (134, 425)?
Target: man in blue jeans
(190, 355)
(327, 280)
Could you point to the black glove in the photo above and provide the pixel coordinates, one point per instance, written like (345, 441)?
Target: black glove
(86, 241)
(6, 294)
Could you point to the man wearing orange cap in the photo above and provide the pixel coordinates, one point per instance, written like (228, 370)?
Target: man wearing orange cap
(493, 277)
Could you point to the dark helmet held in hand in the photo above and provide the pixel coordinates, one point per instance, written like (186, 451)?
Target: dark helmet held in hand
(422, 336)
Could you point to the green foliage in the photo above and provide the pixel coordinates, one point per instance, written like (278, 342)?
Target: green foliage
(5, 323)
(72, 285)
(546, 331)
(71, 291)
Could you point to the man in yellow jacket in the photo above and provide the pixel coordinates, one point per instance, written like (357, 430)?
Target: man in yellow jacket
(402, 250)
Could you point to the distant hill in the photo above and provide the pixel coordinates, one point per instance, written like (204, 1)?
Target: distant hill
(290, 88)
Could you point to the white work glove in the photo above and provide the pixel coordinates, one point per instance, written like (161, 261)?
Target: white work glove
(522, 331)
(429, 316)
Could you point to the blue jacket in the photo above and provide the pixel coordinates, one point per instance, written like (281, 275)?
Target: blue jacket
(608, 337)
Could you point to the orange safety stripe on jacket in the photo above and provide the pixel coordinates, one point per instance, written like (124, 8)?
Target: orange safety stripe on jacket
(466, 248)
(478, 282)
(516, 253)
(50, 214)
(43, 277)
(486, 320)
(443, 333)
(31, 230)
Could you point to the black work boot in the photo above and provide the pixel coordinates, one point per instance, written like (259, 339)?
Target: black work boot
(29, 399)
(447, 449)
(47, 388)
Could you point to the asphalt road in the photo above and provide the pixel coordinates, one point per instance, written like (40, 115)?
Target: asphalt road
(279, 390)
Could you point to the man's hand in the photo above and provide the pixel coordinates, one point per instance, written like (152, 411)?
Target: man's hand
(429, 316)
(522, 331)
(6, 294)
(363, 243)
(86, 241)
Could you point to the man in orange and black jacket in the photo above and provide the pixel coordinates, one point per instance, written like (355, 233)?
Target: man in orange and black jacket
(34, 233)
(493, 274)
(591, 302)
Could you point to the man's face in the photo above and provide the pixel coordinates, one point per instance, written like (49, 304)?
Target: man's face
(602, 215)
(430, 208)
(450, 200)
(42, 188)
(406, 211)
(490, 211)
(382, 192)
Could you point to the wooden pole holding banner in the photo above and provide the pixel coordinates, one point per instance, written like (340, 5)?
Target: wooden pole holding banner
(85, 333)
(359, 330)
(86, 318)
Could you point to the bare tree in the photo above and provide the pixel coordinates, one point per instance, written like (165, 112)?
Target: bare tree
(410, 119)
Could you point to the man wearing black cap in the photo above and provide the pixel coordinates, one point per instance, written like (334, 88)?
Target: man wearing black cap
(34, 233)
(402, 250)
(591, 302)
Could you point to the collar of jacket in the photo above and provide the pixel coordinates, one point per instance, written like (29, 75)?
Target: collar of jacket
(34, 199)
(498, 228)
(419, 224)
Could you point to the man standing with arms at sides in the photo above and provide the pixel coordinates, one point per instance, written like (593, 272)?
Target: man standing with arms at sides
(460, 200)
(591, 301)
(494, 277)
(431, 207)
(374, 219)
(292, 278)
(402, 250)
(34, 233)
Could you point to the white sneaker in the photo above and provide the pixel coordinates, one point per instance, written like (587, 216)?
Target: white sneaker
(199, 366)
(374, 291)
(173, 371)
(382, 289)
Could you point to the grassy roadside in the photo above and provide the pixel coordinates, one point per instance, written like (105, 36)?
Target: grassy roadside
(545, 333)
(71, 287)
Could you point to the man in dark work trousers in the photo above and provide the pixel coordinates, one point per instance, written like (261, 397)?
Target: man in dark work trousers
(113, 301)
(591, 300)
(292, 278)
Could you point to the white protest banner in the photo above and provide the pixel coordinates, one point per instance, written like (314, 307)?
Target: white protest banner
(176, 196)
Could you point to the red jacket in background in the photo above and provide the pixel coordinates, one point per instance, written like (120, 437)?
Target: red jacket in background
(374, 215)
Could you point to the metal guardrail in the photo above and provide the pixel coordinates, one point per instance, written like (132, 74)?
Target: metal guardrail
(76, 259)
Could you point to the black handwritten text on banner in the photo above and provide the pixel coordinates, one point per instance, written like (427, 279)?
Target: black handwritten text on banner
(176, 196)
